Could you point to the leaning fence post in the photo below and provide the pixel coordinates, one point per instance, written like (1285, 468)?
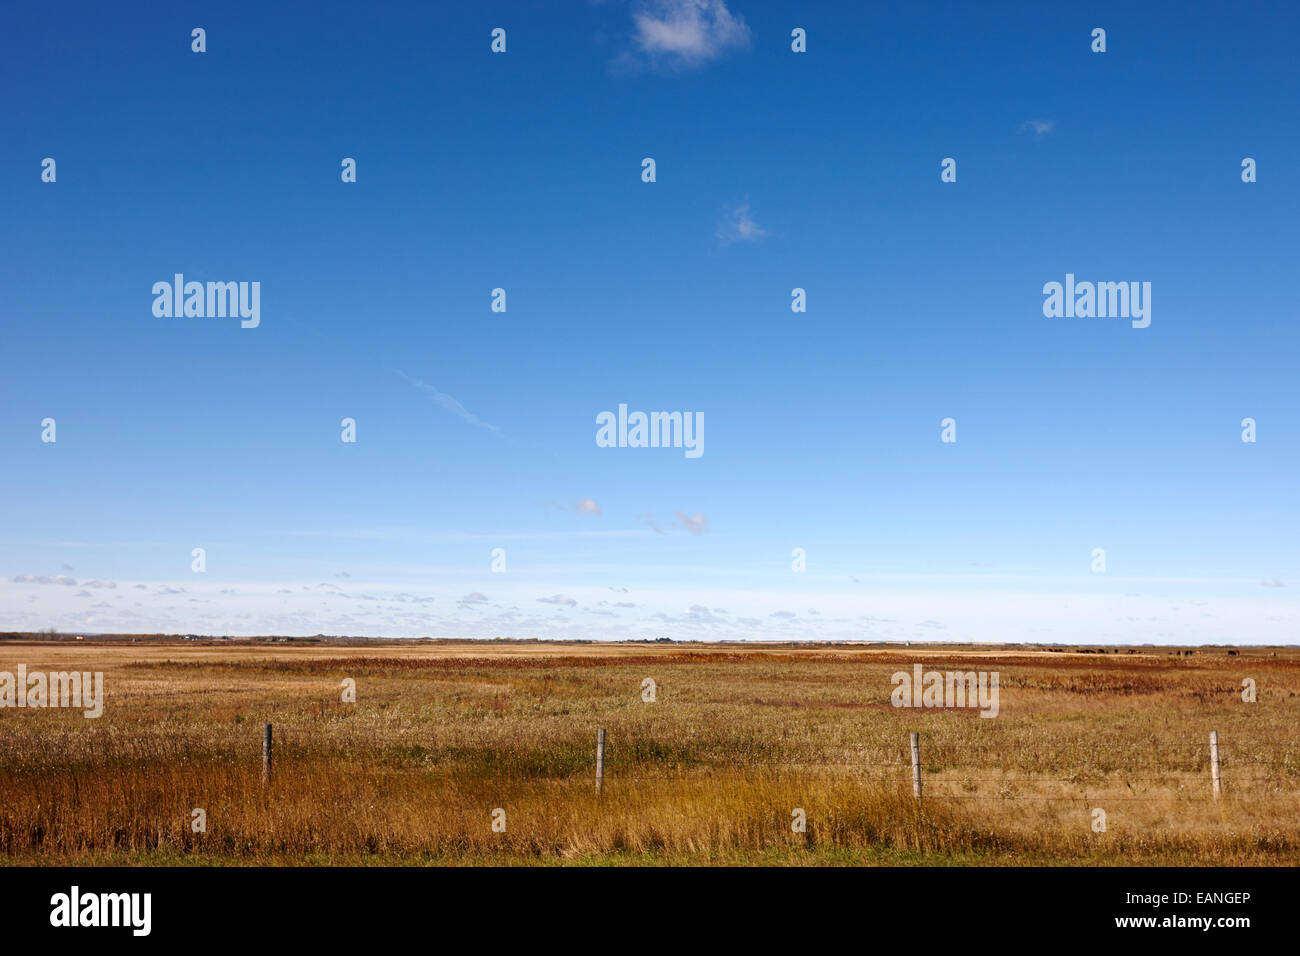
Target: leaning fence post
(916, 765)
(266, 754)
(600, 757)
(1214, 762)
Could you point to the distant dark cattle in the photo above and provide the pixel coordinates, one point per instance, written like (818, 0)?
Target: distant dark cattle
(1232, 653)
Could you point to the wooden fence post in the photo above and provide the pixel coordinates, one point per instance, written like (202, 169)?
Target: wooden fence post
(916, 766)
(266, 754)
(1214, 762)
(600, 757)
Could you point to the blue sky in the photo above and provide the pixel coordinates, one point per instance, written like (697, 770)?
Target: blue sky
(775, 170)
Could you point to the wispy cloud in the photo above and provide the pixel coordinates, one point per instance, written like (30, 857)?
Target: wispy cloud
(1039, 128)
(700, 614)
(44, 579)
(587, 507)
(1275, 583)
(650, 521)
(680, 34)
(449, 403)
(695, 525)
(561, 599)
(738, 225)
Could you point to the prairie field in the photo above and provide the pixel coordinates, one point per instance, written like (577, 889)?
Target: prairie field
(483, 753)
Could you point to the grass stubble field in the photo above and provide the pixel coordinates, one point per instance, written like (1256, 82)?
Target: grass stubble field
(442, 734)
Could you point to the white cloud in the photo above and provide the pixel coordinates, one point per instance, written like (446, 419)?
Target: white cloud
(964, 607)
(1039, 128)
(738, 225)
(587, 507)
(688, 33)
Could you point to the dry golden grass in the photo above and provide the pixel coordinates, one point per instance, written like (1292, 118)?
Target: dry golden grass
(739, 737)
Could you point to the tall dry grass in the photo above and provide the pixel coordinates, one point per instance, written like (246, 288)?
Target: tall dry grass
(710, 773)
